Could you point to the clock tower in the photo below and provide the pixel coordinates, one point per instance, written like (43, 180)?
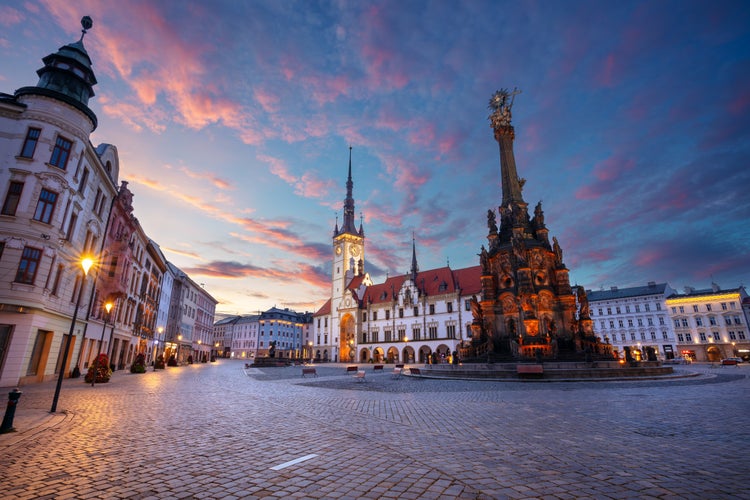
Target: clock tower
(348, 264)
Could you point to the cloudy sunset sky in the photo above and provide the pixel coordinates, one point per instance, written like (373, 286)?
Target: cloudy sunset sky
(233, 121)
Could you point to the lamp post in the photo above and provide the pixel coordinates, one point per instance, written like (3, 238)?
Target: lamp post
(108, 308)
(309, 344)
(156, 348)
(86, 264)
(406, 349)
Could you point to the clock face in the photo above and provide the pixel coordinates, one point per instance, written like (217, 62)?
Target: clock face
(355, 251)
(338, 249)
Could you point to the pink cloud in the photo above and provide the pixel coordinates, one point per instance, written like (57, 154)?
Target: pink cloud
(605, 76)
(216, 181)
(308, 185)
(267, 100)
(10, 16)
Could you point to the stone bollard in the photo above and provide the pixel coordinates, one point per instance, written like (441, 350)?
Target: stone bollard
(10, 411)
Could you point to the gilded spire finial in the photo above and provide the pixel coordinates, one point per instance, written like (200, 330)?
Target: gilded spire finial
(86, 23)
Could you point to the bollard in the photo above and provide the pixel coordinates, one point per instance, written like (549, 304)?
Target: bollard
(10, 411)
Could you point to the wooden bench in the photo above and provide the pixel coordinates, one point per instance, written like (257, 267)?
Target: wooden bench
(359, 376)
(530, 370)
(415, 371)
(399, 366)
(377, 368)
(351, 369)
(309, 371)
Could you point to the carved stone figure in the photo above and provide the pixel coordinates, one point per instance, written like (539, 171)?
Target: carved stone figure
(476, 310)
(557, 249)
(491, 221)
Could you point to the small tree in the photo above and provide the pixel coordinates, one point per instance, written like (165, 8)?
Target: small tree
(99, 370)
(139, 365)
(159, 364)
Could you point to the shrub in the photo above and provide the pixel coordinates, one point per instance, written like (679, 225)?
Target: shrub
(139, 365)
(99, 370)
(159, 365)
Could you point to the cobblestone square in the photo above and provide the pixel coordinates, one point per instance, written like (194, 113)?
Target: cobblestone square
(218, 430)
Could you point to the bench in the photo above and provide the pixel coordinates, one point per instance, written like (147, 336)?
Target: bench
(377, 368)
(396, 373)
(399, 366)
(359, 376)
(350, 369)
(415, 371)
(309, 371)
(530, 370)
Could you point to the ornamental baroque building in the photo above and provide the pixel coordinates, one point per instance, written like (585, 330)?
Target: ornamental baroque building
(421, 316)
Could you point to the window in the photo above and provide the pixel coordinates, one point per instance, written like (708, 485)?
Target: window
(71, 226)
(627, 309)
(723, 306)
(650, 322)
(401, 333)
(632, 336)
(712, 320)
(61, 153)
(653, 335)
(28, 265)
(29, 144)
(416, 333)
(674, 310)
(364, 317)
(387, 314)
(708, 307)
(637, 308)
(400, 312)
(611, 324)
(467, 306)
(600, 311)
(609, 310)
(451, 331)
(618, 309)
(688, 337)
(622, 337)
(56, 282)
(101, 206)
(737, 320)
(630, 323)
(387, 335)
(97, 199)
(603, 325)
(45, 206)
(664, 336)
(658, 307)
(695, 309)
(36, 353)
(12, 198)
(702, 336)
(699, 321)
(620, 323)
(661, 320)
(450, 307)
(374, 315)
(432, 330)
(684, 322)
(647, 307)
(84, 178)
(716, 336)
(643, 336)
(680, 337)
(727, 320)
(432, 308)
(741, 335)
(416, 311)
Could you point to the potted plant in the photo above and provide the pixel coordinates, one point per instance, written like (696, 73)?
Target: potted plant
(159, 364)
(99, 370)
(139, 365)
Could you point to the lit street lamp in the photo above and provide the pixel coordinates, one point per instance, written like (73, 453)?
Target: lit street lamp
(311, 351)
(86, 264)
(108, 307)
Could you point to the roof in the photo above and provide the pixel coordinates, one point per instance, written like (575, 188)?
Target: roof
(324, 310)
(621, 293)
(438, 281)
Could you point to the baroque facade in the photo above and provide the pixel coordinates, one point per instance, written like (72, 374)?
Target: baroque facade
(420, 316)
(62, 202)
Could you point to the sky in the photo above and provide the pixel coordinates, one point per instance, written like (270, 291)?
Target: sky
(233, 122)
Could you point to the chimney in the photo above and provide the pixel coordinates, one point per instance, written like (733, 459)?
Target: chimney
(651, 284)
(614, 288)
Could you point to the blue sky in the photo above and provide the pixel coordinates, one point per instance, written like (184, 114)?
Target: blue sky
(233, 122)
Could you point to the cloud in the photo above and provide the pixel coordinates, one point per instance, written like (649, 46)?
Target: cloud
(10, 16)
(308, 184)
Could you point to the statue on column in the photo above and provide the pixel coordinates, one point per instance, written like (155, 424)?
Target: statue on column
(491, 221)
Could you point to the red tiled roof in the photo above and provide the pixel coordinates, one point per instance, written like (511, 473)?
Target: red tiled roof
(324, 309)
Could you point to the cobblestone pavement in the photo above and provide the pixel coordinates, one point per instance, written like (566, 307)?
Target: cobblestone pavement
(218, 430)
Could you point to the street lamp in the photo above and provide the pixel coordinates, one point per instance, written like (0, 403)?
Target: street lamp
(108, 307)
(156, 347)
(86, 264)
(309, 344)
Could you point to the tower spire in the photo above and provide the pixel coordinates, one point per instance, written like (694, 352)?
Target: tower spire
(348, 224)
(414, 266)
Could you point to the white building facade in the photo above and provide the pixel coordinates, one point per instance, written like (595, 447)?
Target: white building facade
(636, 318)
(710, 324)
